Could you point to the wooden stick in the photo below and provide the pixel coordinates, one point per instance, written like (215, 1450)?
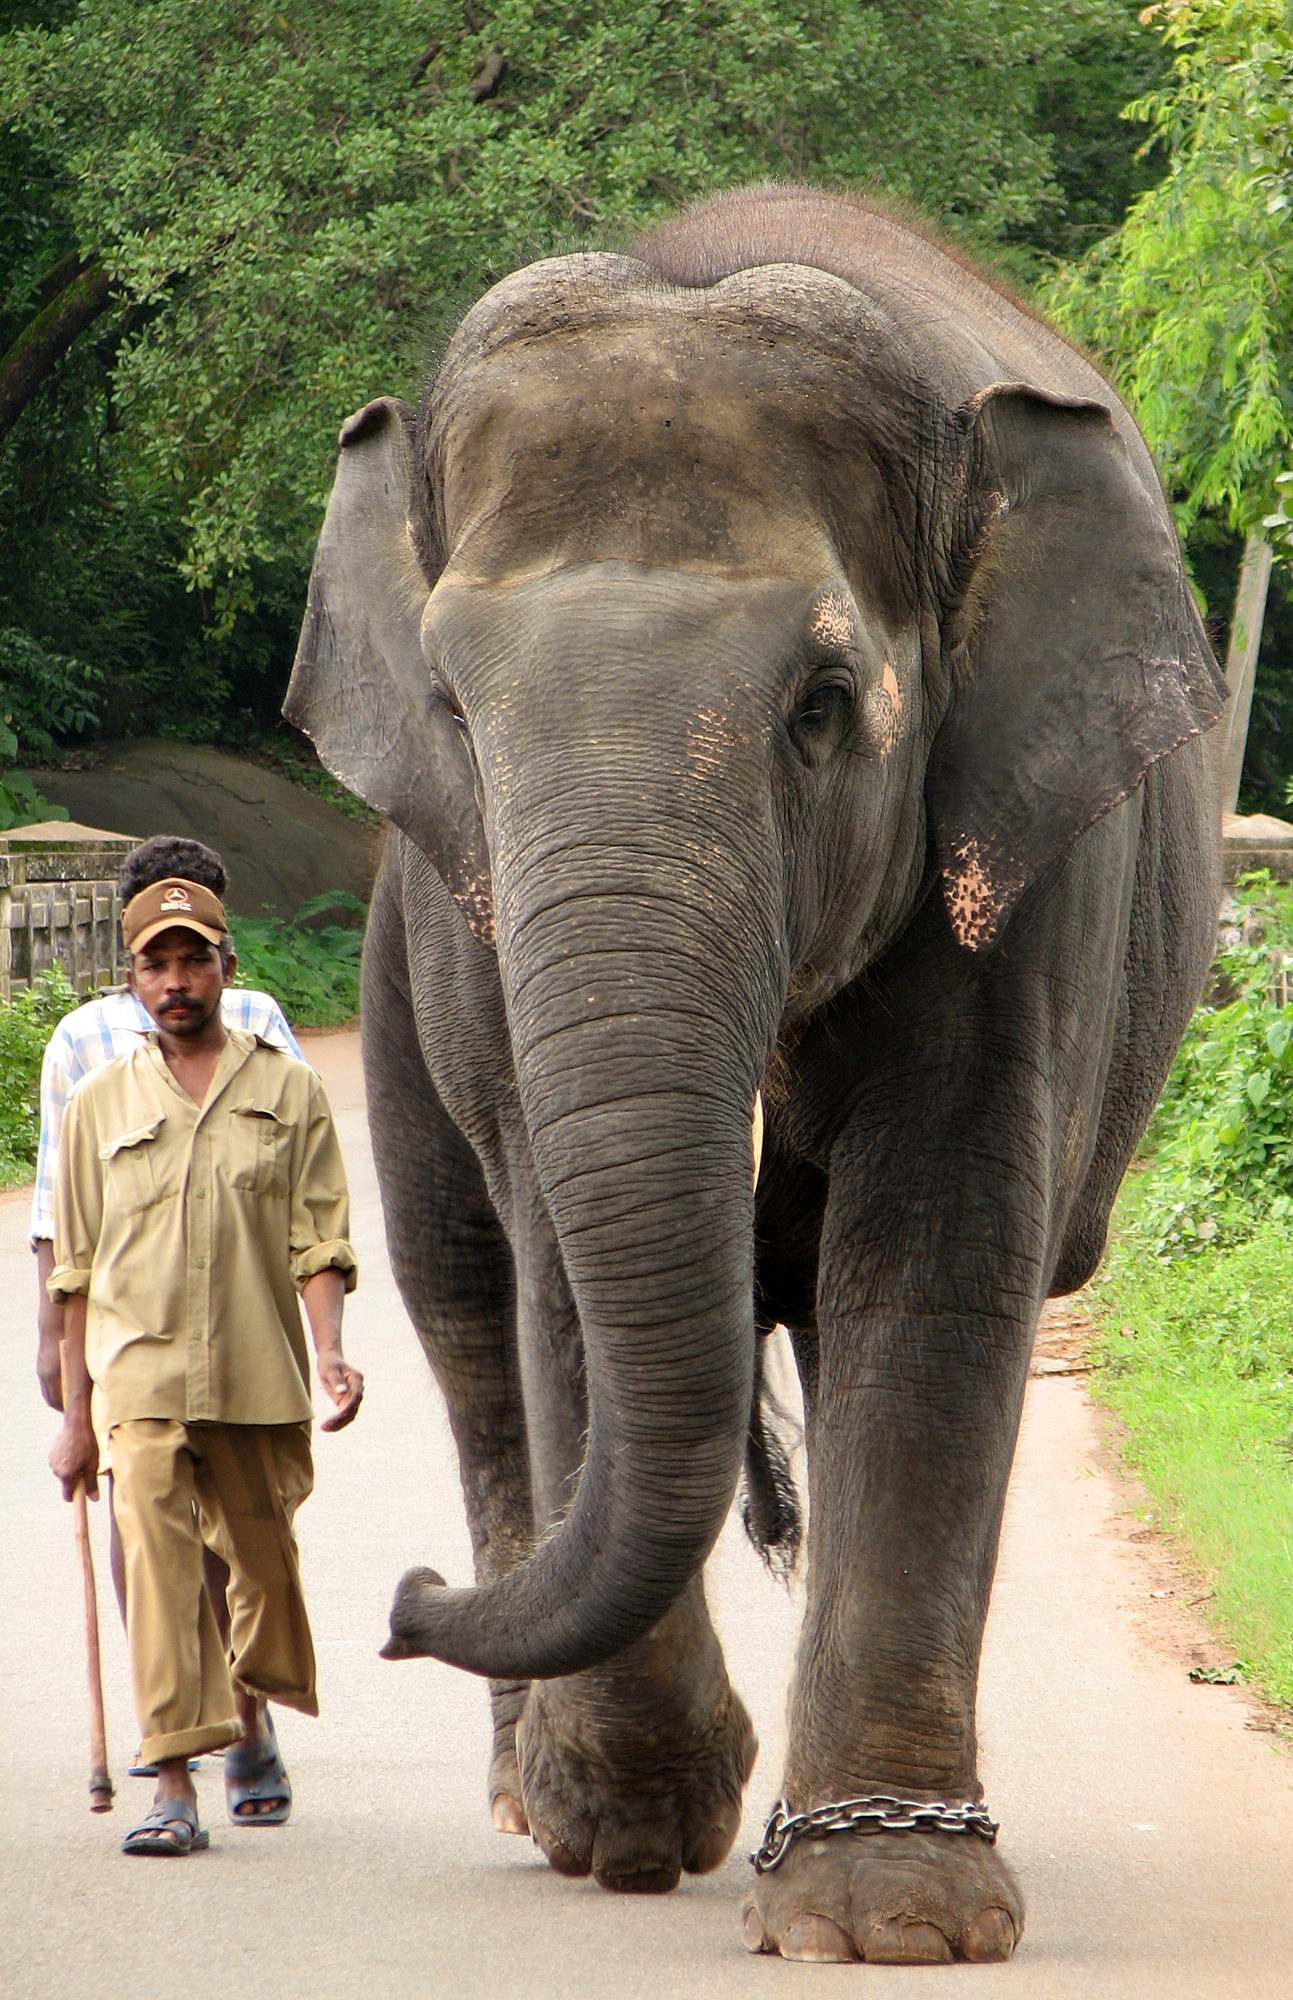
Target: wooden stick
(101, 1787)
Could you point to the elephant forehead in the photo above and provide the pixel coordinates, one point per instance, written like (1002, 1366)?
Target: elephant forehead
(574, 625)
(646, 440)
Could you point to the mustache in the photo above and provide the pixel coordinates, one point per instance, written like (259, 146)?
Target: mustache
(179, 1005)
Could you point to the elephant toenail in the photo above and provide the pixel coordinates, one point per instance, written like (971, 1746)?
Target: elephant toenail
(752, 1931)
(989, 1938)
(562, 1860)
(508, 1815)
(899, 1943)
(817, 1941)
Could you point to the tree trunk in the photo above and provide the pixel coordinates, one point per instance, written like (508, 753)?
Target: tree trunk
(1241, 662)
(46, 338)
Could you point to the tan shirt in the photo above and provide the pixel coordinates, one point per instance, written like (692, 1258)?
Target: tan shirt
(191, 1229)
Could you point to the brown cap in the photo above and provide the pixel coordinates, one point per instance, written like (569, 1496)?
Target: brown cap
(163, 906)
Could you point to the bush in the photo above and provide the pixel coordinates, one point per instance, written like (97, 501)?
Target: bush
(20, 803)
(1221, 1138)
(26, 1024)
(44, 695)
(312, 973)
(41, 694)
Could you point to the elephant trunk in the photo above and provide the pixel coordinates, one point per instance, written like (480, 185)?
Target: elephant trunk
(639, 1035)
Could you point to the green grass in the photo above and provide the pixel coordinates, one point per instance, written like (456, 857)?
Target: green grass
(1194, 1306)
(1198, 1364)
(312, 973)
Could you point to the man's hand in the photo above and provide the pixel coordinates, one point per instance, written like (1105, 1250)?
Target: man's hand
(323, 1297)
(345, 1385)
(75, 1457)
(49, 1330)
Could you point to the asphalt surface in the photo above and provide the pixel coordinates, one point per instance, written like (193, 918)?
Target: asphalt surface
(1150, 1823)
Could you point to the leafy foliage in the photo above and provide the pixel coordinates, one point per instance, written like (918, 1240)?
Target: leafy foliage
(291, 197)
(1214, 552)
(312, 973)
(41, 694)
(1221, 1138)
(44, 694)
(20, 803)
(26, 1024)
(1101, 161)
(1191, 301)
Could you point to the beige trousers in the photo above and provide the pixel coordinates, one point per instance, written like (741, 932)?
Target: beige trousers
(236, 1487)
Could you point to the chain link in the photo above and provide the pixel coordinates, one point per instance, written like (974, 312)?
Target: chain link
(878, 1813)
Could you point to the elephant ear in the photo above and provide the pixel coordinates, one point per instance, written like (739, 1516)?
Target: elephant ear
(360, 687)
(1076, 654)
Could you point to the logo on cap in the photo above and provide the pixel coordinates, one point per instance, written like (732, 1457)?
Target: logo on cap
(175, 899)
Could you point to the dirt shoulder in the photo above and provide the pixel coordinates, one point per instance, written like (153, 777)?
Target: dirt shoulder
(1168, 1606)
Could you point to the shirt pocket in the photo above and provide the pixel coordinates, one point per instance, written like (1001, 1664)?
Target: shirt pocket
(260, 1150)
(134, 1175)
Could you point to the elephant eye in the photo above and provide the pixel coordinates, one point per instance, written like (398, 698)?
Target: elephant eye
(820, 714)
(442, 697)
(823, 705)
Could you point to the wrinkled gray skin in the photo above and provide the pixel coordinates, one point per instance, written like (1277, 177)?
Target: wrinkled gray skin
(774, 649)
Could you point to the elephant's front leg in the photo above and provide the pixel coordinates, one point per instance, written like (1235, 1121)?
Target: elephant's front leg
(923, 1360)
(634, 1770)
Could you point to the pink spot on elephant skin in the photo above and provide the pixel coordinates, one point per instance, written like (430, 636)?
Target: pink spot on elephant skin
(974, 900)
(833, 621)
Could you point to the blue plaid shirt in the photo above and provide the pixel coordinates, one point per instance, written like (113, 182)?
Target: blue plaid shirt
(99, 1032)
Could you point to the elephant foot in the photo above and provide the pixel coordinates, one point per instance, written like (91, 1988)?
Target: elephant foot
(635, 1771)
(891, 1899)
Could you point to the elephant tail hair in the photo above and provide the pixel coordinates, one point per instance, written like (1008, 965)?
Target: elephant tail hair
(770, 1506)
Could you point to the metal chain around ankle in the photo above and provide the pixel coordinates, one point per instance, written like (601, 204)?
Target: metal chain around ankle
(878, 1813)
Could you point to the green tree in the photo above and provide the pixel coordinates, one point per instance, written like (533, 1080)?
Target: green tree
(1100, 160)
(280, 203)
(1190, 302)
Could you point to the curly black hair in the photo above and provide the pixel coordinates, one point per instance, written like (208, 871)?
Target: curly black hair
(167, 854)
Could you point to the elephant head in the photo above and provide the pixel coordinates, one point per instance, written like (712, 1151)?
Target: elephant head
(697, 627)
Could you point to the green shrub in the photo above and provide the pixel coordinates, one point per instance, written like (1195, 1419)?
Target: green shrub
(42, 695)
(312, 973)
(26, 1024)
(1221, 1138)
(20, 803)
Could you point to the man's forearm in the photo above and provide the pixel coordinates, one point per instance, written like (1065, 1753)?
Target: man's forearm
(77, 1386)
(75, 1456)
(49, 1327)
(323, 1297)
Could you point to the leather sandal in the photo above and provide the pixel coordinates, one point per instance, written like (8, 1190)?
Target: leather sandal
(255, 1772)
(151, 1837)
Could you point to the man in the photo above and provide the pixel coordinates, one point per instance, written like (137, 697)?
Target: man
(110, 1026)
(199, 1182)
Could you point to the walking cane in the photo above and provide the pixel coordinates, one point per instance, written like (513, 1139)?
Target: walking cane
(101, 1787)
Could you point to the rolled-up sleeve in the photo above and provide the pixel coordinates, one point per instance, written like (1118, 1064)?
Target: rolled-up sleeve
(320, 1217)
(78, 1202)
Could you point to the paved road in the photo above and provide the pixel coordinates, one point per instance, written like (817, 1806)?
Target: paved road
(1153, 1831)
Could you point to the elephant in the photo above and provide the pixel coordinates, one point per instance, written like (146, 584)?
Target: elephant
(771, 647)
